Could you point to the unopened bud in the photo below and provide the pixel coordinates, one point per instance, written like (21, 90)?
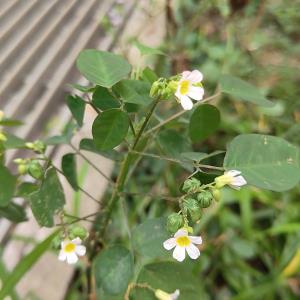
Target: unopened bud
(174, 222)
(216, 194)
(205, 199)
(78, 231)
(191, 185)
(35, 169)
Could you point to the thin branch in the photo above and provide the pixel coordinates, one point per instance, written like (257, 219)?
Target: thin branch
(179, 114)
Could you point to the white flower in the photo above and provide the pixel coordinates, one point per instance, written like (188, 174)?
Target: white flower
(70, 250)
(189, 87)
(183, 242)
(161, 295)
(233, 178)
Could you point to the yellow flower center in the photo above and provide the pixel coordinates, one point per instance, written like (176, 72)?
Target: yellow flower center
(183, 241)
(70, 247)
(184, 87)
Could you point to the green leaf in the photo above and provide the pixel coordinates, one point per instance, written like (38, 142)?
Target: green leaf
(173, 143)
(68, 166)
(10, 122)
(25, 189)
(13, 142)
(149, 75)
(65, 137)
(149, 236)
(82, 88)
(88, 145)
(103, 99)
(134, 91)
(146, 50)
(13, 212)
(7, 186)
(77, 106)
(199, 156)
(110, 128)
(24, 266)
(243, 91)
(102, 68)
(113, 269)
(205, 120)
(169, 276)
(48, 200)
(267, 162)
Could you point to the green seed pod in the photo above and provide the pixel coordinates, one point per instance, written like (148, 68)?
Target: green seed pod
(35, 169)
(78, 231)
(205, 199)
(22, 169)
(193, 208)
(216, 194)
(174, 222)
(191, 185)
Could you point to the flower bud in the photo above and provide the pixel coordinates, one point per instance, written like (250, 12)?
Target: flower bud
(193, 208)
(205, 199)
(162, 295)
(2, 137)
(22, 169)
(191, 185)
(216, 194)
(78, 231)
(154, 91)
(37, 146)
(174, 222)
(35, 169)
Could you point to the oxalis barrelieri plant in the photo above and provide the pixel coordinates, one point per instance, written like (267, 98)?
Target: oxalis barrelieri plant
(141, 116)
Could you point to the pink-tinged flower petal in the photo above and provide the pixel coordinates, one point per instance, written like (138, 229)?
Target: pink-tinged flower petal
(169, 244)
(196, 239)
(238, 181)
(232, 173)
(80, 250)
(175, 295)
(179, 253)
(185, 74)
(181, 232)
(72, 258)
(195, 76)
(62, 255)
(193, 251)
(186, 103)
(196, 92)
(77, 241)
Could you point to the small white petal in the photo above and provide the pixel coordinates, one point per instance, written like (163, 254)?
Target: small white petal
(170, 244)
(185, 74)
(232, 173)
(193, 251)
(238, 181)
(186, 102)
(80, 250)
(196, 239)
(175, 295)
(178, 94)
(181, 232)
(195, 76)
(72, 258)
(77, 241)
(196, 92)
(179, 253)
(62, 255)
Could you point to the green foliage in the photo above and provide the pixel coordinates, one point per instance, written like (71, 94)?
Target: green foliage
(77, 107)
(149, 236)
(146, 50)
(205, 120)
(13, 212)
(102, 68)
(48, 200)
(113, 269)
(103, 99)
(110, 128)
(68, 166)
(265, 161)
(242, 90)
(169, 276)
(7, 186)
(25, 265)
(134, 91)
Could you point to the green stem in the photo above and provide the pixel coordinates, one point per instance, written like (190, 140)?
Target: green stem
(124, 171)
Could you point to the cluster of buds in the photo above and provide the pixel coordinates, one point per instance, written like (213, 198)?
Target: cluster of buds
(164, 88)
(29, 166)
(36, 146)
